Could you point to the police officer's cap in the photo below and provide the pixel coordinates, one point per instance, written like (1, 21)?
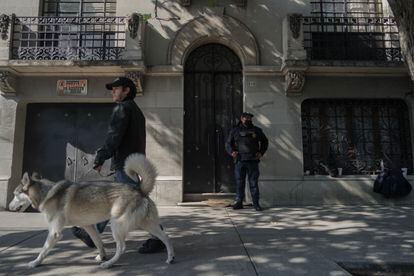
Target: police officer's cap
(247, 114)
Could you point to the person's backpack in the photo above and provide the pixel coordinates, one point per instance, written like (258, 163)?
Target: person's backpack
(392, 183)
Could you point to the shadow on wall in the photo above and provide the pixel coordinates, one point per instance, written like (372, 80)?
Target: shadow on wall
(162, 30)
(7, 118)
(169, 17)
(169, 140)
(279, 117)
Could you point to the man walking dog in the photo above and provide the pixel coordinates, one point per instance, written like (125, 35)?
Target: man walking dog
(126, 135)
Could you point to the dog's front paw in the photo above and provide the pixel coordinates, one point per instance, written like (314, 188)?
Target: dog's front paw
(170, 260)
(33, 264)
(100, 258)
(106, 264)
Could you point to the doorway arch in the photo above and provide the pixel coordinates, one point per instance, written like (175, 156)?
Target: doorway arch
(213, 101)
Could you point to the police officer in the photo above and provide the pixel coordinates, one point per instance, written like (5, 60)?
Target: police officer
(246, 144)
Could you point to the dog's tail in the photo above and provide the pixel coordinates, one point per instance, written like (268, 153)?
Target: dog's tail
(138, 164)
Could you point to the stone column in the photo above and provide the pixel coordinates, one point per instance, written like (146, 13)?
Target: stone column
(6, 34)
(293, 48)
(8, 107)
(138, 78)
(134, 37)
(294, 55)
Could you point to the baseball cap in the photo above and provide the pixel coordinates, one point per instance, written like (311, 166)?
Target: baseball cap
(247, 114)
(124, 82)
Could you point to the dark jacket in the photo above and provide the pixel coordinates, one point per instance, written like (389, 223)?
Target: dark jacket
(126, 134)
(247, 141)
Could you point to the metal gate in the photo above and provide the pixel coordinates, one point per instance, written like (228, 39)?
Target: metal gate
(61, 139)
(213, 102)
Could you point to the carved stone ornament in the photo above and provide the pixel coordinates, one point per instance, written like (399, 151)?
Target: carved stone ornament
(4, 25)
(295, 22)
(295, 80)
(7, 83)
(133, 24)
(185, 3)
(137, 78)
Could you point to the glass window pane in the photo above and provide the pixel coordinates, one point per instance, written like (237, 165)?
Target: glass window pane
(347, 8)
(79, 8)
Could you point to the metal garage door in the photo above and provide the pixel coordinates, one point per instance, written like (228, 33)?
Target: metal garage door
(61, 139)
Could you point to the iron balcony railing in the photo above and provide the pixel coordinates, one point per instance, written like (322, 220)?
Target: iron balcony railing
(352, 39)
(68, 38)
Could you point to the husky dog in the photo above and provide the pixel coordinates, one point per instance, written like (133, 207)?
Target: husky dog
(66, 203)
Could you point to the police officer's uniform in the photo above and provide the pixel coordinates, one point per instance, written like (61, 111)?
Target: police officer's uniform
(248, 141)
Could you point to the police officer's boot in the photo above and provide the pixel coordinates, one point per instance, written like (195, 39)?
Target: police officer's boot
(238, 205)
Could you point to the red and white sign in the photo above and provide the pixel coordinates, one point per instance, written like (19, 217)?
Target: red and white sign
(72, 87)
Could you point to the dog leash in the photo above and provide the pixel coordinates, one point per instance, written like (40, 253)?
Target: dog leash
(107, 175)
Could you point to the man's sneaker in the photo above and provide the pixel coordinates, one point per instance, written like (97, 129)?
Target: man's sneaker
(151, 246)
(238, 205)
(83, 236)
(257, 207)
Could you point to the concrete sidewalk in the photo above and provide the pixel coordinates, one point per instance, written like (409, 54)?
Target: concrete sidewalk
(219, 241)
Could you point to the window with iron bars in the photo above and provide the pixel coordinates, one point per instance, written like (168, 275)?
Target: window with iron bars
(355, 135)
(347, 8)
(351, 30)
(90, 37)
(80, 8)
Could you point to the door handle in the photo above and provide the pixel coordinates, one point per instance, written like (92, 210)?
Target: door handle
(69, 161)
(218, 141)
(208, 144)
(85, 161)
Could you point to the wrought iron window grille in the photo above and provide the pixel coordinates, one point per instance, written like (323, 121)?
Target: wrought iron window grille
(352, 39)
(68, 38)
(347, 8)
(355, 135)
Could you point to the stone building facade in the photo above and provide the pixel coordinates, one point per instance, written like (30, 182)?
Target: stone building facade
(324, 80)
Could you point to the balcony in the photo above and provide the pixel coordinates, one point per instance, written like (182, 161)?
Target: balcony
(339, 46)
(68, 38)
(351, 39)
(92, 46)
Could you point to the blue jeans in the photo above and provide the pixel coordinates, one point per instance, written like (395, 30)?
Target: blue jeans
(251, 169)
(122, 177)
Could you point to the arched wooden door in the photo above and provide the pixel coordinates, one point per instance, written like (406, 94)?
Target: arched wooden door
(213, 101)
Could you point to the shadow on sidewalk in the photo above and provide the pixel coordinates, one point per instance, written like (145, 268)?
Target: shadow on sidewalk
(278, 241)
